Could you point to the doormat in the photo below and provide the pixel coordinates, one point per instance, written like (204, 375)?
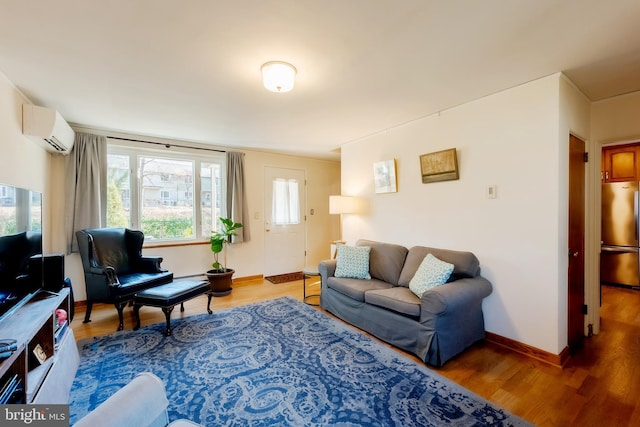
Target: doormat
(288, 277)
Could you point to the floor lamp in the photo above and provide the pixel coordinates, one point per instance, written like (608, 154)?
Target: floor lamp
(339, 205)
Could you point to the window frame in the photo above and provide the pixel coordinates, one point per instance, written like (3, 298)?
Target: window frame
(134, 151)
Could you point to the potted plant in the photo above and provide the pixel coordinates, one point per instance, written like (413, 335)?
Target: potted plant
(220, 276)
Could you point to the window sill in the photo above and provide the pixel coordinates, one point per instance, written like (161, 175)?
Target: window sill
(174, 244)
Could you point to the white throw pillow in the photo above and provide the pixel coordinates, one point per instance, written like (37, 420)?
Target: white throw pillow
(353, 262)
(431, 273)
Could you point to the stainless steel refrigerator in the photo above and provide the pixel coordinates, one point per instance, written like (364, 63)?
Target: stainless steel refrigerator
(619, 258)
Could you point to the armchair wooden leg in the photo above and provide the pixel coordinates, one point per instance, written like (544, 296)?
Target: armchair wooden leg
(120, 307)
(87, 314)
(167, 315)
(136, 313)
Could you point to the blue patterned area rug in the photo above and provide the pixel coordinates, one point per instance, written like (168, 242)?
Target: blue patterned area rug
(278, 362)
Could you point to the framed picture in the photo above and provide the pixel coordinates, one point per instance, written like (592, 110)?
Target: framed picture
(384, 176)
(439, 166)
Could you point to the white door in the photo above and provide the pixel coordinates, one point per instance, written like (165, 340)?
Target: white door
(284, 220)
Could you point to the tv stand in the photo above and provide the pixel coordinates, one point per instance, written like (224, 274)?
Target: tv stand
(47, 378)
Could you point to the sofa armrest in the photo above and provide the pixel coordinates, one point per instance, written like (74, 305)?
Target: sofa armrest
(454, 296)
(327, 268)
(142, 402)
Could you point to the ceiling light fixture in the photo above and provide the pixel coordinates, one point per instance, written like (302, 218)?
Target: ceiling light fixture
(278, 76)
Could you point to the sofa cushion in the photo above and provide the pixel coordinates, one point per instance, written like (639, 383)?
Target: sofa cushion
(431, 273)
(353, 262)
(385, 260)
(398, 299)
(465, 263)
(356, 288)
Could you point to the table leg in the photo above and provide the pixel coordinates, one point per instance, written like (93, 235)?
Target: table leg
(167, 315)
(136, 313)
(209, 296)
(306, 276)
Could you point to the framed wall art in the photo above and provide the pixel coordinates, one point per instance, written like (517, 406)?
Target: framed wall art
(439, 166)
(384, 176)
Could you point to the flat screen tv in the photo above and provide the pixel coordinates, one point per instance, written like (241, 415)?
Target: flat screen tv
(20, 247)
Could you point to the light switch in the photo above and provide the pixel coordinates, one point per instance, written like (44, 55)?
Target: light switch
(492, 191)
(256, 215)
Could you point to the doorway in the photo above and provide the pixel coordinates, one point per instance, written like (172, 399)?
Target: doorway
(284, 220)
(575, 327)
(619, 176)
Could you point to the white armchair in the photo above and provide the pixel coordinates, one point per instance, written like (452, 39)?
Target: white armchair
(141, 403)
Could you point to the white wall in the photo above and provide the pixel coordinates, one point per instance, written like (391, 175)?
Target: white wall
(23, 163)
(510, 140)
(616, 120)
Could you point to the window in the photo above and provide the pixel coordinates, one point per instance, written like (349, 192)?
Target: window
(118, 191)
(169, 196)
(286, 202)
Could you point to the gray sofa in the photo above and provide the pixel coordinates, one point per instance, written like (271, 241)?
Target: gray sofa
(438, 326)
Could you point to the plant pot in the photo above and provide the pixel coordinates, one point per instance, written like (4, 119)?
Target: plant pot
(220, 282)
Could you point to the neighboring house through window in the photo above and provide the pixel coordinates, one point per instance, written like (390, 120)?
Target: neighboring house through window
(169, 195)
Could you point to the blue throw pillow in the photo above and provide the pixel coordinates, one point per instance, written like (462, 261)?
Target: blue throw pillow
(353, 262)
(431, 273)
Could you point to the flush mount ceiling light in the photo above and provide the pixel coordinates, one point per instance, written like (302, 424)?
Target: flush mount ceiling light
(278, 76)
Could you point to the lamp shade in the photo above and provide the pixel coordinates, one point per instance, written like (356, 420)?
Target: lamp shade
(343, 204)
(278, 76)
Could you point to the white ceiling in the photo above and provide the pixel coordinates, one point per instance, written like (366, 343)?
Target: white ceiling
(190, 69)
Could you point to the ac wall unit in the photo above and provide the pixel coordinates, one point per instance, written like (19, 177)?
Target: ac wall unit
(49, 127)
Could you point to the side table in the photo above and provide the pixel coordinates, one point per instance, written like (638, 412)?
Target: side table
(308, 273)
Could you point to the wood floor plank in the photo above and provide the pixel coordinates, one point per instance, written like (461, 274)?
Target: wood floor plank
(600, 386)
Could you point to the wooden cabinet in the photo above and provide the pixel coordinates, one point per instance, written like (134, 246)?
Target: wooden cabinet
(34, 327)
(621, 163)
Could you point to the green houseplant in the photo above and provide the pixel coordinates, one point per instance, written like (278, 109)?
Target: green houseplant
(220, 276)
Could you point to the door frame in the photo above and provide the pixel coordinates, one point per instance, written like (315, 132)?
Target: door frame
(303, 208)
(594, 235)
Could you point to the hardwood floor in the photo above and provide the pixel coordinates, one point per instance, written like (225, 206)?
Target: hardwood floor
(600, 386)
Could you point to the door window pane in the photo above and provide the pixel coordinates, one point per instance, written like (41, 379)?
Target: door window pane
(286, 202)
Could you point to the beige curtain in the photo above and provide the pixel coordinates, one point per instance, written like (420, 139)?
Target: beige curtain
(86, 186)
(237, 209)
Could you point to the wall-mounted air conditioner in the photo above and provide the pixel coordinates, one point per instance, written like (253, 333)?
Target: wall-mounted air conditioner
(52, 130)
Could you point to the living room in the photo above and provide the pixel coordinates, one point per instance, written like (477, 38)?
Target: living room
(514, 140)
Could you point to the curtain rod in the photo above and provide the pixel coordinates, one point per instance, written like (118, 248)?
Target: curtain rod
(166, 145)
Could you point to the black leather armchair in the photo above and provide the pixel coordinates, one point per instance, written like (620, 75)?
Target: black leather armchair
(114, 268)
